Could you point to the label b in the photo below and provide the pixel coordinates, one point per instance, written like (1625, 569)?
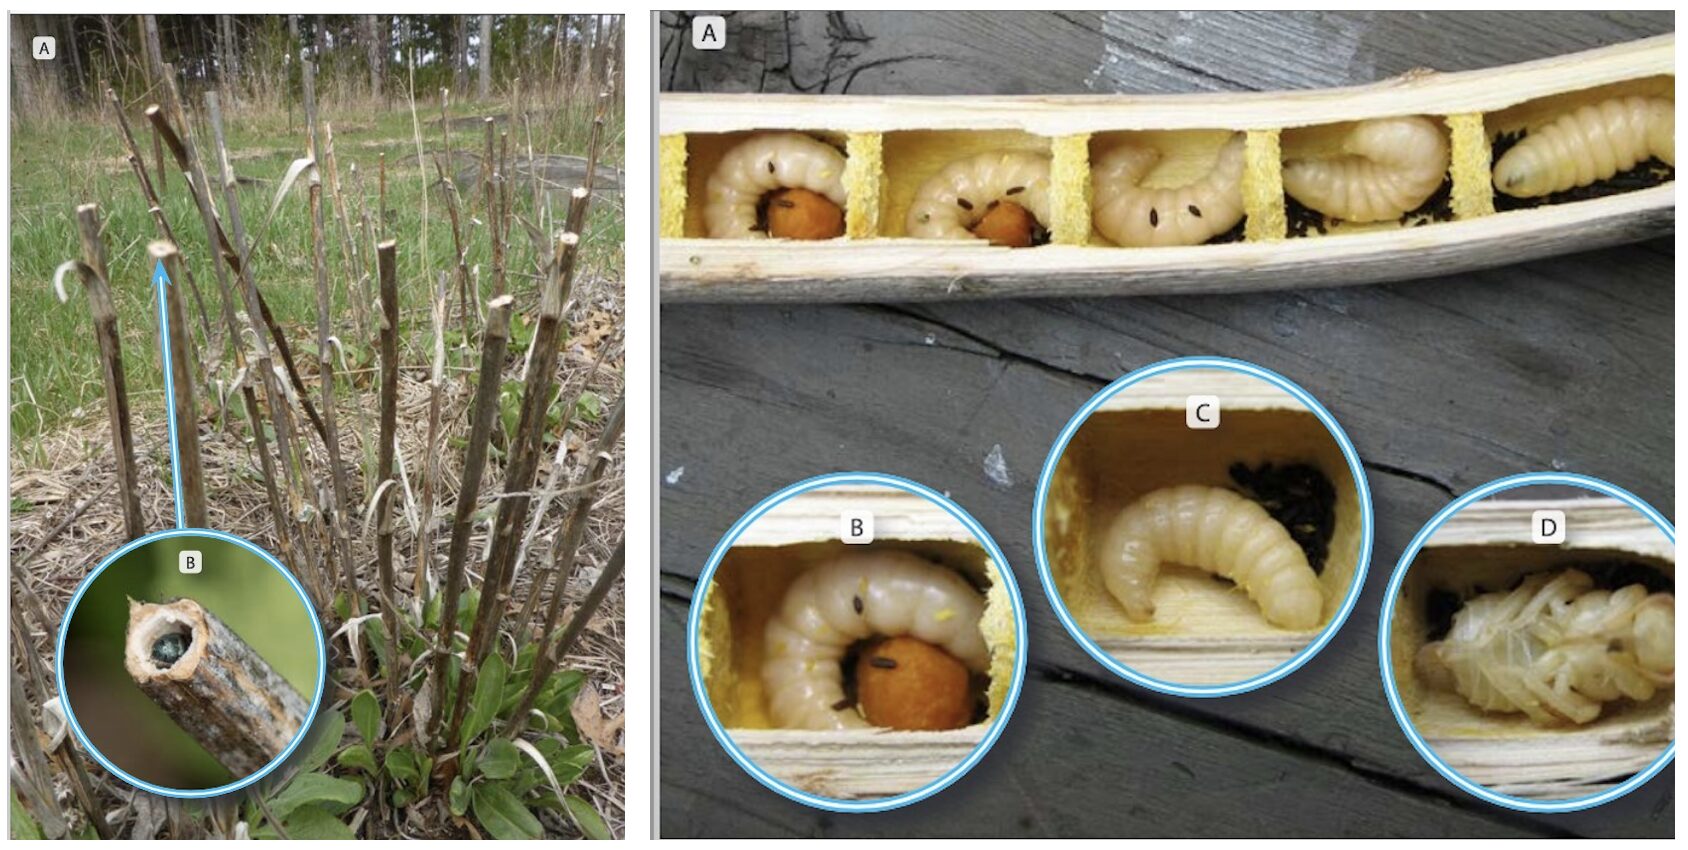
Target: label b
(856, 527)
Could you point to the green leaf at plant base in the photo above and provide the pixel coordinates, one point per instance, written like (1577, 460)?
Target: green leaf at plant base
(358, 756)
(328, 731)
(376, 632)
(525, 658)
(467, 760)
(586, 817)
(499, 759)
(403, 766)
(24, 827)
(308, 824)
(458, 797)
(570, 762)
(483, 706)
(502, 814)
(559, 691)
(318, 790)
(590, 407)
(366, 715)
(431, 611)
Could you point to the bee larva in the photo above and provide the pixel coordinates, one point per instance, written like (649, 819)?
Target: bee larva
(1589, 144)
(1388, 166)
(1130, 215)
(1213, 529)
(1002, 186)
(766, 163)
(847, 599)
(1555, 648)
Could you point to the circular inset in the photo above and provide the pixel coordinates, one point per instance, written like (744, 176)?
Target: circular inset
(1202, 526)
(190, 663)
(856, 642)
(1527, 642)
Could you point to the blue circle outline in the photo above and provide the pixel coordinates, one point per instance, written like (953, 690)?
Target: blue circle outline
(64, 695)
(833, 804)
(1355, 584)
(1386, 623)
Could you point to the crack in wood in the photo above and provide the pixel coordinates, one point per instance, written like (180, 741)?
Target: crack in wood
(1058, 675)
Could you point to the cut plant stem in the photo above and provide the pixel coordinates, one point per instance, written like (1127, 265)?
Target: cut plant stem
(387, 262)
(181, 373)
(219, 690)
(321, 138)
(568, 546)
(325, 364)
(96, 281)
(137, 163)
(526, 447)
(546, 661)
(357, 286)
(389, 603)
(273, 484)
(484, 412)
(519, 471)
(187, 157)
(448, 188)
(259, 319)
(431, 453)
(553, 484)
(32, 779)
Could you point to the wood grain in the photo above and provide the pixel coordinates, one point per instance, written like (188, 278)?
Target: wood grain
(1443, 384)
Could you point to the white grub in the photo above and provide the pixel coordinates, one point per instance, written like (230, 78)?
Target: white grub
(951, 202)
(1589, 144)
(764, 163)
(1387, 167)
(1213, 529)
(885, 593)
(1129, 215)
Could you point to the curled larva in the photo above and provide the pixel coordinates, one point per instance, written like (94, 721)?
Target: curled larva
(849, 598)
(1589, 144)
(952, 202)
(1130, 215)
(1213, 529)
(1555, 648)
(1387, 167)
(764, 163)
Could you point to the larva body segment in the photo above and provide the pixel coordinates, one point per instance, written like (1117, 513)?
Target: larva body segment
(953, 201)
(1555, 648)
(1217, 530)
(847, 599)
(1387, 167)
(1129, 215)
(1589, 144)
(765, 163)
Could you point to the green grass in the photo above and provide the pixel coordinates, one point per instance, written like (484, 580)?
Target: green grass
(59, 165)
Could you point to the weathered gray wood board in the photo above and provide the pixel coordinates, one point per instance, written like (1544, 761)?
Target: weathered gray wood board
(1443, 384)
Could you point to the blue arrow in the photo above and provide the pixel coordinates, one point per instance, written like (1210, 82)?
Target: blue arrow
(161, 281)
